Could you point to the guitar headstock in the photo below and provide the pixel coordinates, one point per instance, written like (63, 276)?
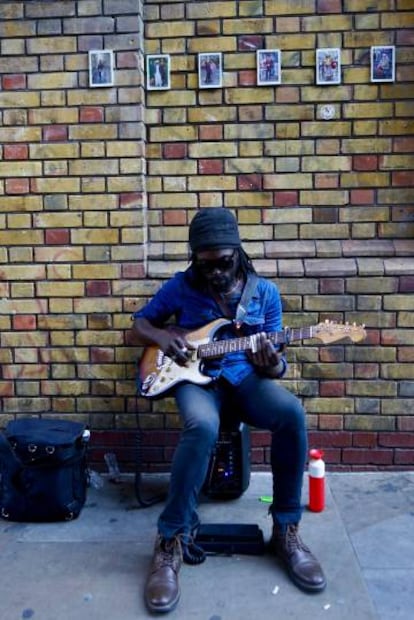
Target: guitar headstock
(329, 332)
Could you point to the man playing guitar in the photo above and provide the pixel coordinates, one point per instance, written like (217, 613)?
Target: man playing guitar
(242, 382)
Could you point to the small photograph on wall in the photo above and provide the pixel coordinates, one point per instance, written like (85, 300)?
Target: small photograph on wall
(210, 70)
(158, 71)
(268, 66)
(328, 66)
(101, 68)
(383, 63)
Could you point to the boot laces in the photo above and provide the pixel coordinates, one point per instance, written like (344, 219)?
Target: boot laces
(169, 553)
(293, 540)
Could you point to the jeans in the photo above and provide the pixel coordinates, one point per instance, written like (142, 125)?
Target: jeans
(259, 402)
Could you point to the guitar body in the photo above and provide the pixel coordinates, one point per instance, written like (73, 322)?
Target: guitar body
(158, 373)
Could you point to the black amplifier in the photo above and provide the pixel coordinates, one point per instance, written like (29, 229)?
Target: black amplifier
(228, 474)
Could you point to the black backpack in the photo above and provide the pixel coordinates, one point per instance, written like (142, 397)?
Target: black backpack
(43, 470)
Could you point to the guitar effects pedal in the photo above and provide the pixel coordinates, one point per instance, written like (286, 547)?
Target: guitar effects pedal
(228, 474)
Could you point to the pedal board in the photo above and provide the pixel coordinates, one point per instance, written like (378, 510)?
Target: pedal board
(228, 539)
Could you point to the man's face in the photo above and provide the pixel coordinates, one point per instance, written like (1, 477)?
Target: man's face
(218, 268)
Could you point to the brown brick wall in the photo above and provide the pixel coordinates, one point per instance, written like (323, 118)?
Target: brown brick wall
(325, 206)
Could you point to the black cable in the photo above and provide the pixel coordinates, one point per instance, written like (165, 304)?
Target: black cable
(155, 499)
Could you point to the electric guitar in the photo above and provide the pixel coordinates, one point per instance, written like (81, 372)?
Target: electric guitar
(158, 373)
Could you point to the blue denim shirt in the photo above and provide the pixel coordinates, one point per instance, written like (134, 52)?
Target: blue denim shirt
(192, 308)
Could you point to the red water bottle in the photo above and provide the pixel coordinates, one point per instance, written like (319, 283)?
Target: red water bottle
(316, 472)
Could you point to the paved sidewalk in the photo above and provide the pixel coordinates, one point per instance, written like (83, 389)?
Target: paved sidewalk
(94, 568)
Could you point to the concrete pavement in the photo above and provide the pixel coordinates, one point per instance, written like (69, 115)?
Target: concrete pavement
(94, 568)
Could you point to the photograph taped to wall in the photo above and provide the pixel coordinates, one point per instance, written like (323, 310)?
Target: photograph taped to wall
(383, 63)
(328, 66)
(101, 68)
(268, 67)
(210, 70)
(158, 71)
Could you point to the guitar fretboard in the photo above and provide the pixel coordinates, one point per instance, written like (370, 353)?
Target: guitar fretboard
(218, 348)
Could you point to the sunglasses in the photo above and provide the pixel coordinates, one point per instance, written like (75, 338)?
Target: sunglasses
(224, 263)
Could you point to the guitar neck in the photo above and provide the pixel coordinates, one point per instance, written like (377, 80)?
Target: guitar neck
(218, 348)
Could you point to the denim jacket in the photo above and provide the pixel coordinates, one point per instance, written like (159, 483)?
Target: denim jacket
(192, 308)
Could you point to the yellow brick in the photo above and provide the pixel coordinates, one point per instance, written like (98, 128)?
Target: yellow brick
(287, 7)
(93, 149)
(94, 185)
(51, 80)
(60, 305)
(18, 221)
(54, 220)
(170, 98)
(397, 162)
(328, 23)
(176, 166)
(80, 203)
(248, 199)
(59, 272)
(173, 201)
(324, 197)
(60, 289)
(22, 339)
(212, 183)
(320, 163)
(94, 236)
(365, 179)
(93, 132)
(132, 235)
(54, 151)
(326, 128)
(249, 96)
(133, 183)
(53, 98)
(73, 388)
(103, 337)
(367, 110)
(131, 166)
(25, 134)
(210, 10)
(366, 145)
(57, 185)
(96, 219)
(96, 272)
(212, 114)
(248, 26)
(365, 38)
(22, 289)
(53, 116)
(24, 169)
(59, 254)
(28, 272)
(397, 19)
(397, 127)
(93, 96)
(61, 339)
(23, 237)
(162, 30)
(173, 133)
(287, 181)
(363, 92)
(297, 41)
(54, 45)
(124, 148)
(27, 99)
(249, 165)
(93, 167)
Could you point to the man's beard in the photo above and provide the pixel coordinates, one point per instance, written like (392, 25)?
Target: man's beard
(221, 284)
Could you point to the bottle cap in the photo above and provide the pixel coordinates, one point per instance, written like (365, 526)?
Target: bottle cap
(316, 453)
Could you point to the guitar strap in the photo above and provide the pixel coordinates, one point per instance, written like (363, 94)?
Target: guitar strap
(248, 292)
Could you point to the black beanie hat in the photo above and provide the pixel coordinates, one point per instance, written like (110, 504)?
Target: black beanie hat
(214, 227)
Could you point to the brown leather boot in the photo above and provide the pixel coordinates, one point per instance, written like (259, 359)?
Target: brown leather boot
(302, 566)
(162, 591)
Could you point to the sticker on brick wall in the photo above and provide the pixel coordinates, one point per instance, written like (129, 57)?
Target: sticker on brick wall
(268, 66)
(101, 68)
(158, 71)
(210, 70)
(383, 63)
(328, 66)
